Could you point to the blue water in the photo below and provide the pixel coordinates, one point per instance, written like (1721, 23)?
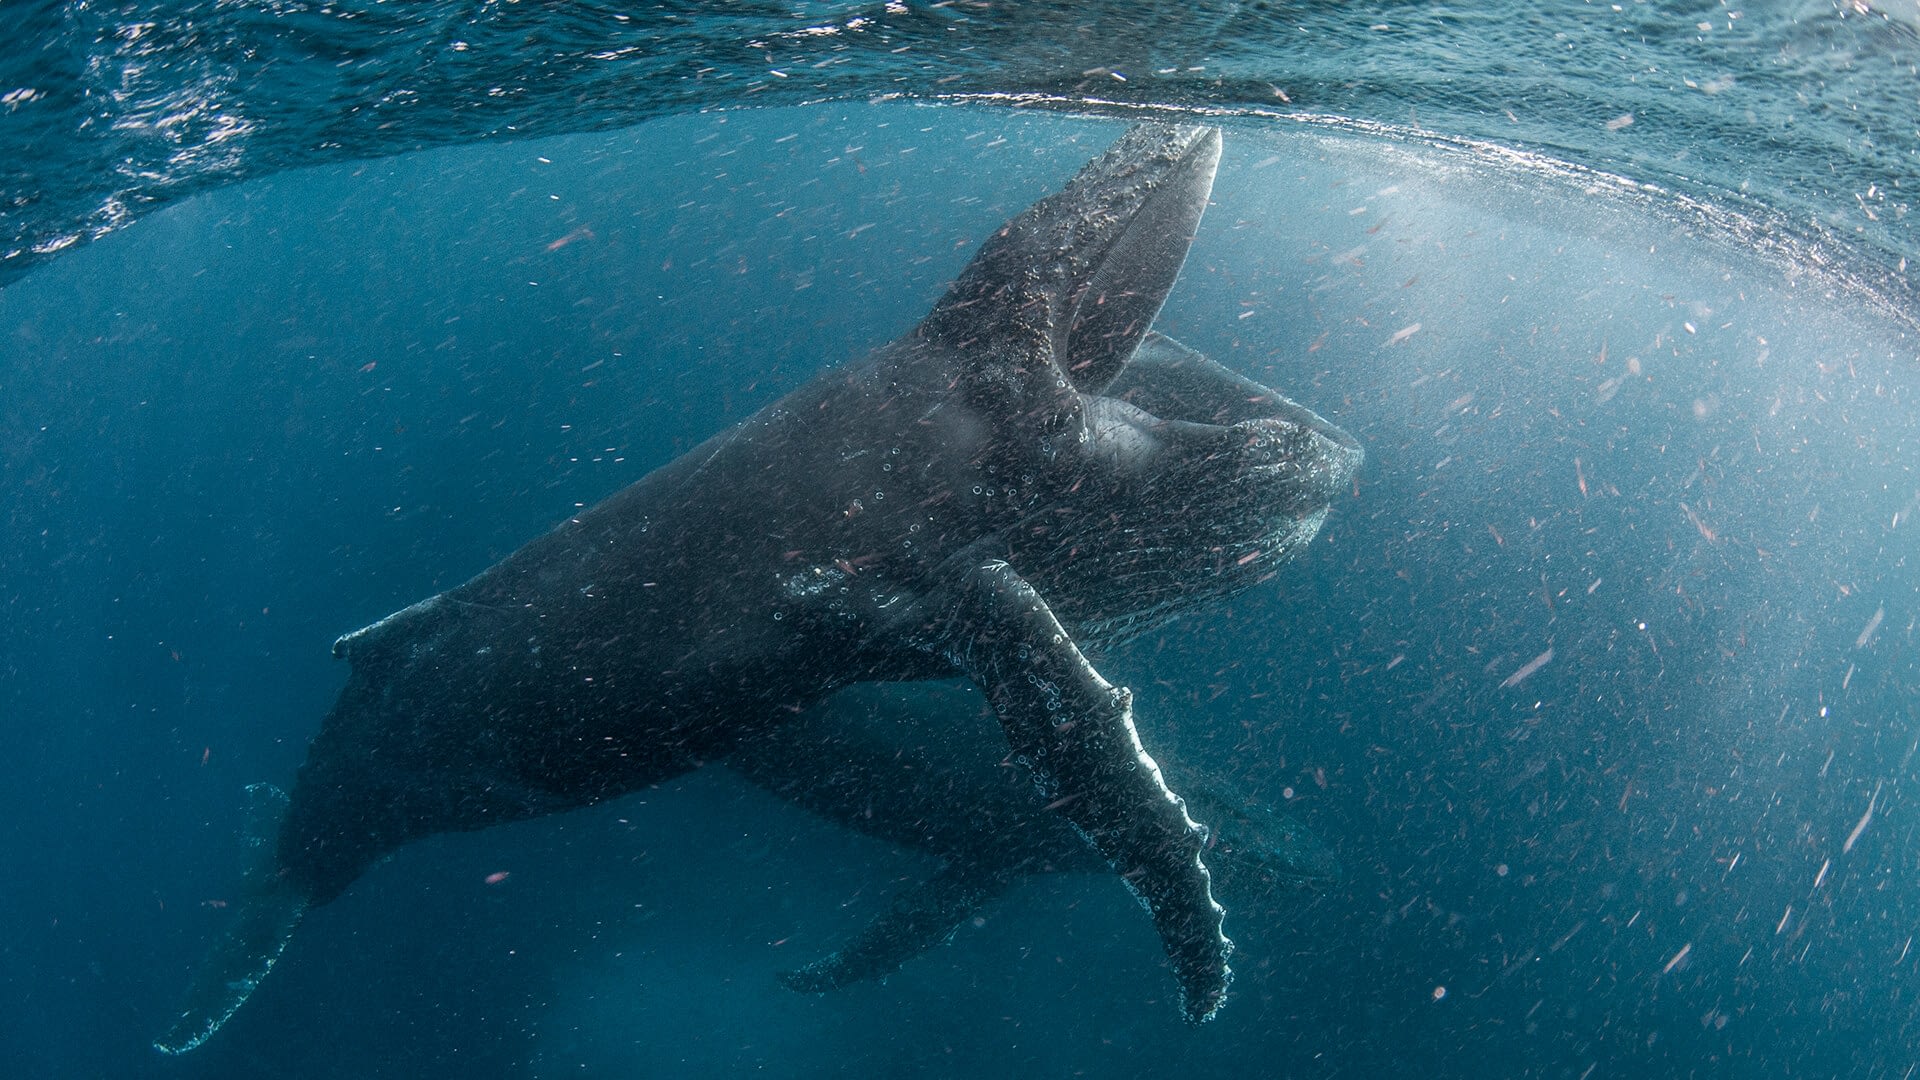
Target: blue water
(1656, 416)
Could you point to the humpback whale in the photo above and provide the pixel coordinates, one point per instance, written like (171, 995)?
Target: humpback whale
(921, 767)
(1006, 481)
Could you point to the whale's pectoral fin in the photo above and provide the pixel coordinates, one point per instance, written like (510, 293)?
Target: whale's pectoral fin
(920, 918)
(1075, 729)
(269, 913)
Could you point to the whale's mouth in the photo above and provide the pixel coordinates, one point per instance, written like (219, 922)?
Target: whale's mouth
(1304, 453)
(1189, 391)
(1224, 480)
(1167, 173)
(1062, 295)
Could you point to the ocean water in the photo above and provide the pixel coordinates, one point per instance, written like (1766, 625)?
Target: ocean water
(1601, 683)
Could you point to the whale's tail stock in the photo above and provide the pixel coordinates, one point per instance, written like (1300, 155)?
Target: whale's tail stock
(270, 909)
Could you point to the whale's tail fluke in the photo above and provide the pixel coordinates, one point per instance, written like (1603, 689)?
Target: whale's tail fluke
(269, 913)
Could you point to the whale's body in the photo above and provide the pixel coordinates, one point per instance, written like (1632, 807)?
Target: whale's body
(969, 500)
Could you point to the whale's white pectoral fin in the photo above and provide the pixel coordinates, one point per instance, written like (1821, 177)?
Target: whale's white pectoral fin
(1075, 730)
(269, 914)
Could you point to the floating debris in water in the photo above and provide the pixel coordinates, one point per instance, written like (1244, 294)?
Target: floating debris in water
(1528, 668)
(1873, 624)
(1678, 958)
(1865, 820)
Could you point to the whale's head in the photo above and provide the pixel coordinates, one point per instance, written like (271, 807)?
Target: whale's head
(1189, 483)
(1150, 479)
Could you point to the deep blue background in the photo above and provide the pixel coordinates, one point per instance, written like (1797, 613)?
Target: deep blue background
(273, 414)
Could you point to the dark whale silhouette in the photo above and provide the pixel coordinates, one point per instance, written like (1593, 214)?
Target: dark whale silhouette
(970, 499)
(923, 766)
